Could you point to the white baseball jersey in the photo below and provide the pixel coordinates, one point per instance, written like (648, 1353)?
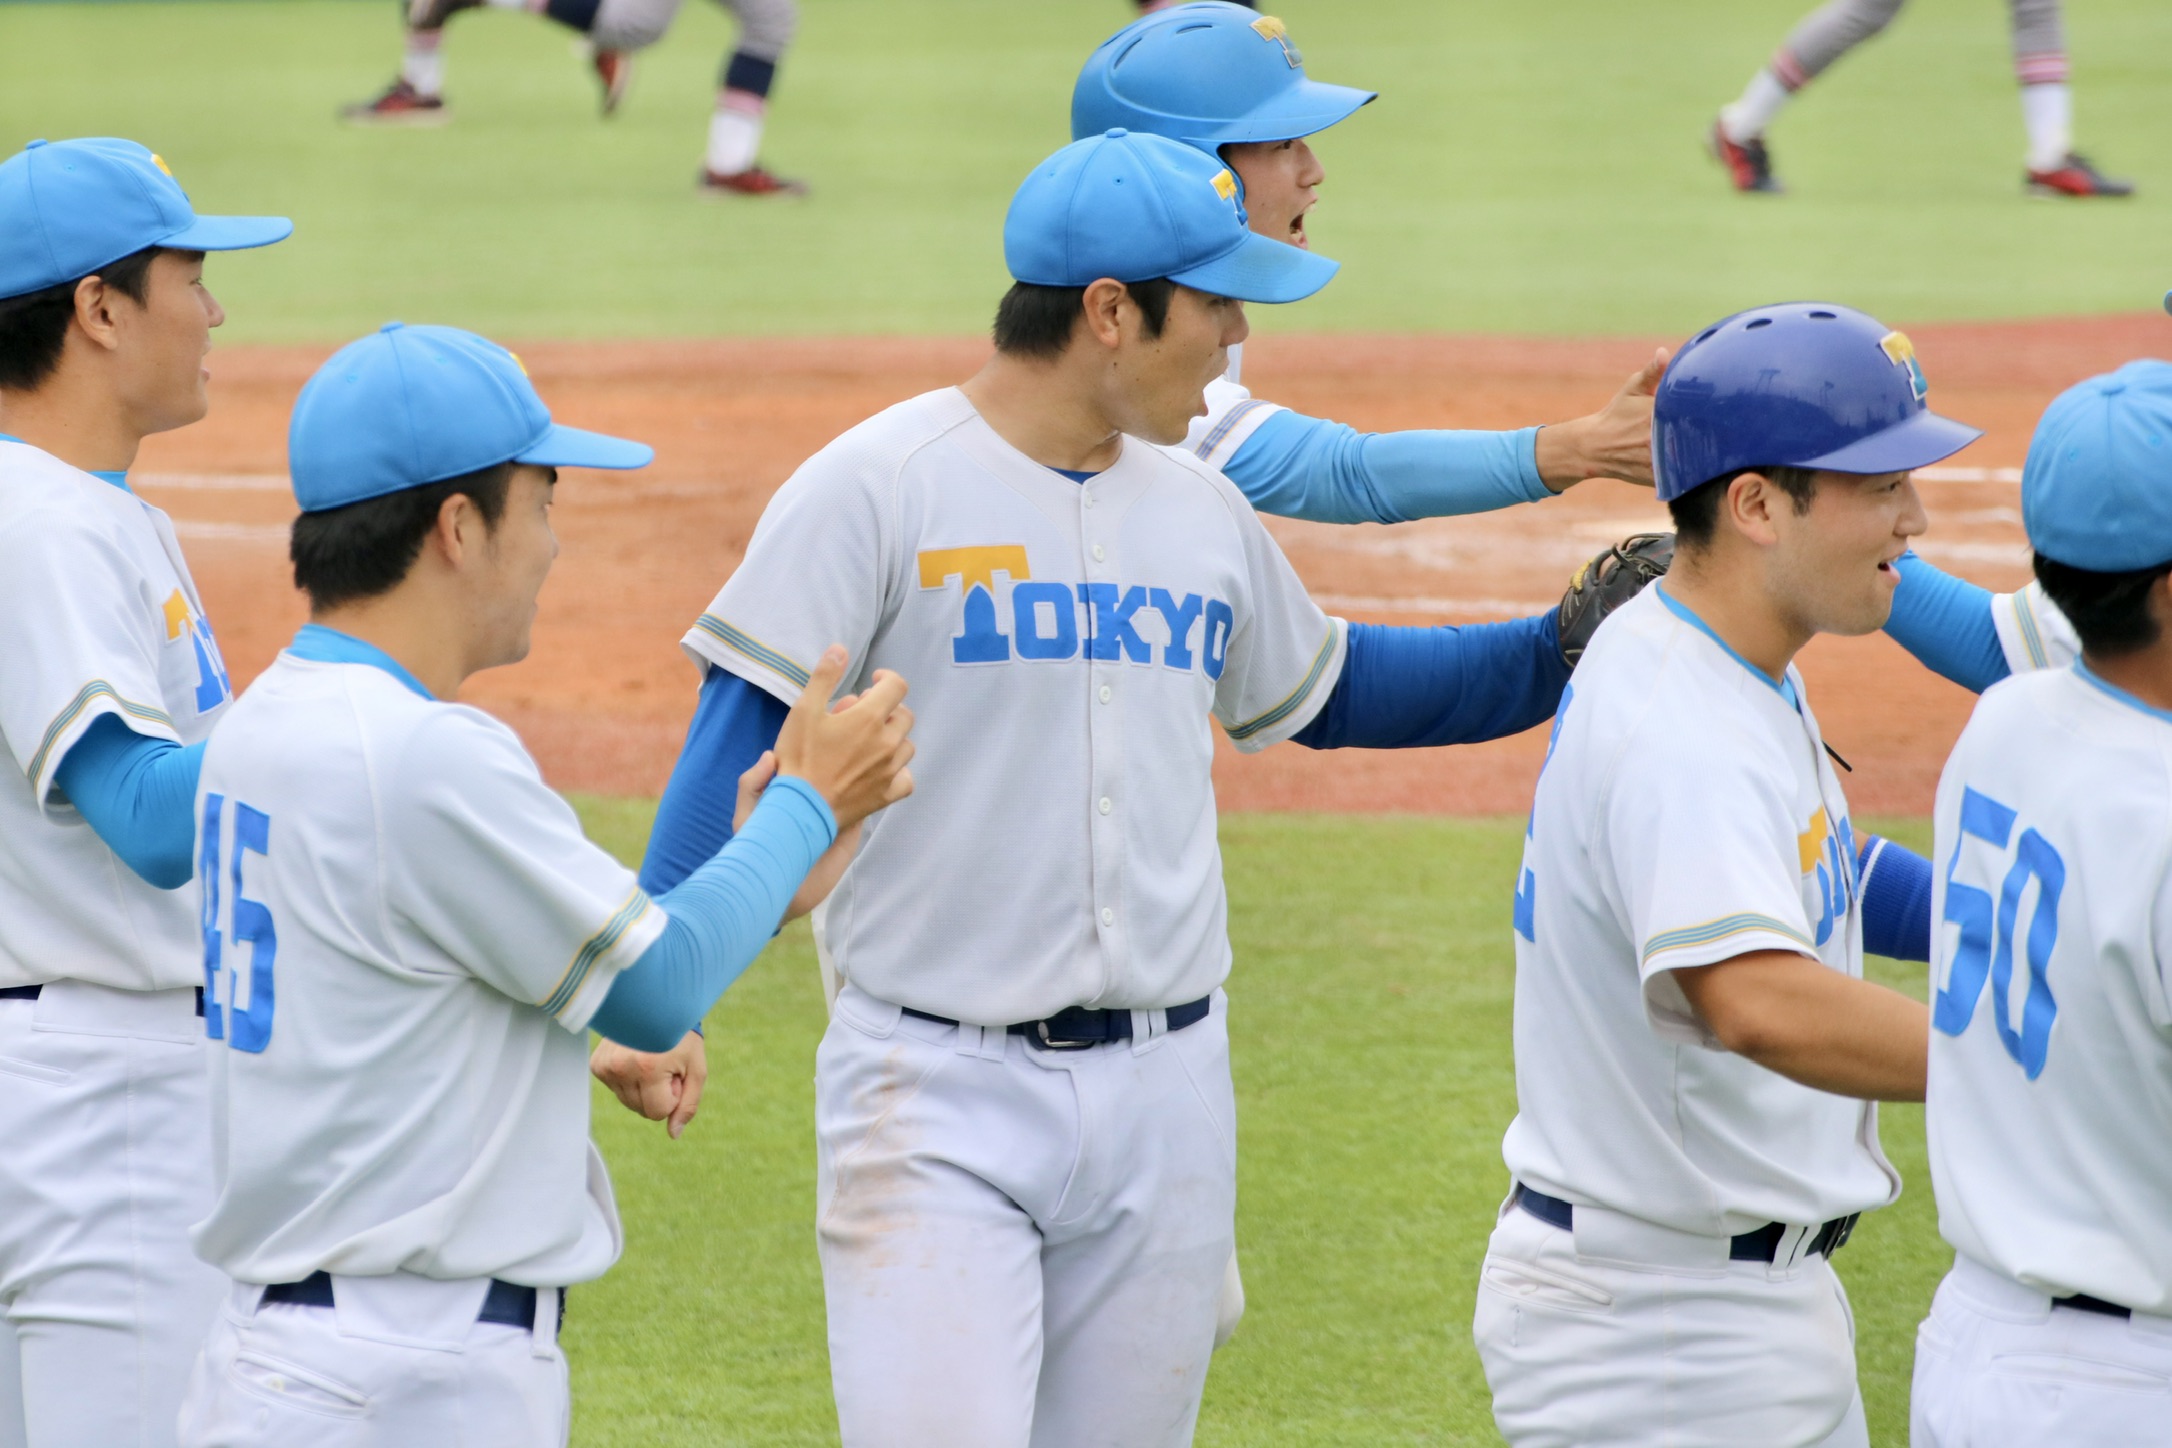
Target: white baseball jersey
(408, 934)
(1233, 415)
(2032, 631)
(1065, 643)
(1686, 815)
(2051, 1046)
(105, 621)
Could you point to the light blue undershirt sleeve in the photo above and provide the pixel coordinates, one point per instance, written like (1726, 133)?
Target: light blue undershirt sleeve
(1946, 623)
(718, 920)
(1305, 467)
(139, 794)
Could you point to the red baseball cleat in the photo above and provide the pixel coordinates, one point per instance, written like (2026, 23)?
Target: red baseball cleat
(1748, 163)
(754, 181)
(400, 105)
(615, 69)
(2075, 177)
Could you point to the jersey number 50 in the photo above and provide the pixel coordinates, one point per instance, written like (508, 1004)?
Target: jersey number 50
(1990, 928)
(251, 924)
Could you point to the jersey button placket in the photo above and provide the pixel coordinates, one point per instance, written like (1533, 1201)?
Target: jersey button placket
(1102, 727)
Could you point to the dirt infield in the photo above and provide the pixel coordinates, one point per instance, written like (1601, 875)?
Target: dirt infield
(605, 696)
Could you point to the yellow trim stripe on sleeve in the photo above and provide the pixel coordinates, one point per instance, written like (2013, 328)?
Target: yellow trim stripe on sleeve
(2031, 637)
(750, 647)
(1230, 419)
(1297, 696)
(74, 711)
(1745, 923)
(594, 949)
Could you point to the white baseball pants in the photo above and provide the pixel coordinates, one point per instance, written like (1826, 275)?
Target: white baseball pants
(105, 1161)
(1590, 1352)
(400, 1362)
(1996, 1364)
(1021, 1248)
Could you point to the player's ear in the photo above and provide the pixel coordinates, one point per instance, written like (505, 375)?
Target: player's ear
(1103, 310)
(1751, 500)
(94, 302)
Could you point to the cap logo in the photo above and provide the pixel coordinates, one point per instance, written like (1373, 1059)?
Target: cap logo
(1902, 353)
(1271, 28)
(517, 362)
(1225, 185)
(160, 162)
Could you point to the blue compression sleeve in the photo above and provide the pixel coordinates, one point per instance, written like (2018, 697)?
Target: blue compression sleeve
(720, 917)
(734, 722)
(139, 794)
(1410, 688)
(1896, 899)
(1304, 467)
(1946, 623)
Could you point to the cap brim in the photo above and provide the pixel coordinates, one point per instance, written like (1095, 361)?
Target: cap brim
(573, 447)
(1261, 269)
(229, 233)
(1305, 109)
(1922, 440)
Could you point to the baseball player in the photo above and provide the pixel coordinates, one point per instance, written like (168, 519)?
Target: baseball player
(2051, 1053)
(1022, 1102)
(2052, 168)
(1697, 1055)
(614, 31)
(109, 683)
(405, 937)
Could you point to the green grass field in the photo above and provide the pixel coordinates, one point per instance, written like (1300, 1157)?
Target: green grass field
(1529, 168)
(1370, 1022)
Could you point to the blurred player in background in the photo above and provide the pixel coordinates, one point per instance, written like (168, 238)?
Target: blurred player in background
(2053, 167)
(615, 29)
(109, 683)
(2051, 1055)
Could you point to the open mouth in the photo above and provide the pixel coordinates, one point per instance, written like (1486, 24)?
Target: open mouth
(1297, 231)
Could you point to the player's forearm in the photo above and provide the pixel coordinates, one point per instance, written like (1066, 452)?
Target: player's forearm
(1813, 1025)
(733, 723)
(1946, 623)
(1295, 466)
(1896, 885)
(1408, 688)
(720, 917)
(139, 794)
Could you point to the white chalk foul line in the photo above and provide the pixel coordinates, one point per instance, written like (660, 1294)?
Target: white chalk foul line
(216, 482)
(1968, 475)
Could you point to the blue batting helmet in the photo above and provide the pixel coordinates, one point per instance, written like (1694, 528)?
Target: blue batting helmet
(1205, 75)
(1803, 384)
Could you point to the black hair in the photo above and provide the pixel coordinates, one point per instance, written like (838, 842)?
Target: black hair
(1696, 512)
(366, 548)
(34, 326)
(2109, 611)
(1036, 321)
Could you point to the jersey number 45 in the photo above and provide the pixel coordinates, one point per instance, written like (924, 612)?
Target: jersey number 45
(245, 1019)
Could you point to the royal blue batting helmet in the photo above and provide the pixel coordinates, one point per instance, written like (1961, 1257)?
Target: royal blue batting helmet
(1803, 384)
(1205, 75)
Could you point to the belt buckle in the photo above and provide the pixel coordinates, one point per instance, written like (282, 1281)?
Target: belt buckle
(1040, 1031)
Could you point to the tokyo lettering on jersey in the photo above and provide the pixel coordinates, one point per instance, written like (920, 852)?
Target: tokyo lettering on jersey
(403, 935)
(102, 619)
(1065, 643)
(2051, 1043)
(1686, 814)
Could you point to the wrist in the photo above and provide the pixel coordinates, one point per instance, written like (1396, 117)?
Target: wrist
(1558, 455)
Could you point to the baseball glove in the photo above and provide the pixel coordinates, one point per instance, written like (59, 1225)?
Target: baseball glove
(1605, 584)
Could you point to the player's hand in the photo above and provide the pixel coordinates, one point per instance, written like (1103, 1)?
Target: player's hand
(830, 868)
(856, 755)
(664, 1087)
(1614, 442)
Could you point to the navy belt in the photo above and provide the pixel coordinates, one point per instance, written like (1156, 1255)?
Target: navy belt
(2083, 1302)
(1761, 1245)
(506, 1303)
(1078, 1027)
(31, 993)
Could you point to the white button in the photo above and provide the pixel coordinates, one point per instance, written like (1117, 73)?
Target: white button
(1099, 553)
(1106, 804)
(1107, 693)
(1089, 500)
(1108, 917)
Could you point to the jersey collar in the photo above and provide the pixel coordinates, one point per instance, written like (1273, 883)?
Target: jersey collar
(119, 480)
(2090, 676)
(322, 645)
(1783, 686)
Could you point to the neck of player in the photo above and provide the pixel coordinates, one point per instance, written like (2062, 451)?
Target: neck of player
(1734, 599)
(2146, 672)
(75, 416)
(1048, 409)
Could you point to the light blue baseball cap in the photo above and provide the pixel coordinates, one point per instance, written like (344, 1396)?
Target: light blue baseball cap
(1135, 208)
(409, 406)
(2096, 491)
(1206, 75)
(68, 208)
